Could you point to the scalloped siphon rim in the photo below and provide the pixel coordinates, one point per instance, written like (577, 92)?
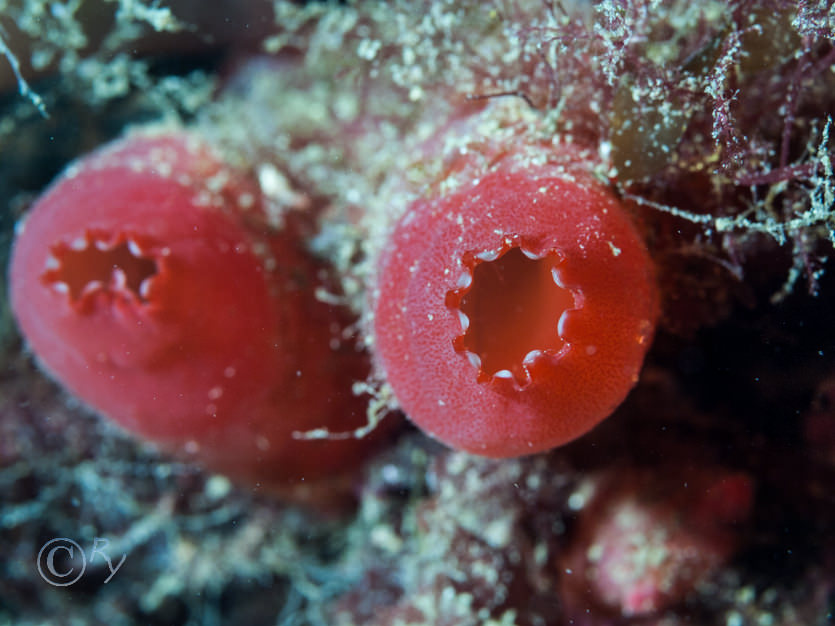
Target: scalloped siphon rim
(454, 298)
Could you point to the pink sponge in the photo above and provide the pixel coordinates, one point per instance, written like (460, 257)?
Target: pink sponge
(647, 538)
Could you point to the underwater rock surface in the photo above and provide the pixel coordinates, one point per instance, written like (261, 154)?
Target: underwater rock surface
(705, 497)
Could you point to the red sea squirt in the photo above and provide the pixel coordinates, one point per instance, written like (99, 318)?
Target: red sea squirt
(513, 313)
(150, 282)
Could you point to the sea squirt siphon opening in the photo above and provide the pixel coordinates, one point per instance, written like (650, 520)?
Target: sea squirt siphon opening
(91, 264)
(510, 311)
